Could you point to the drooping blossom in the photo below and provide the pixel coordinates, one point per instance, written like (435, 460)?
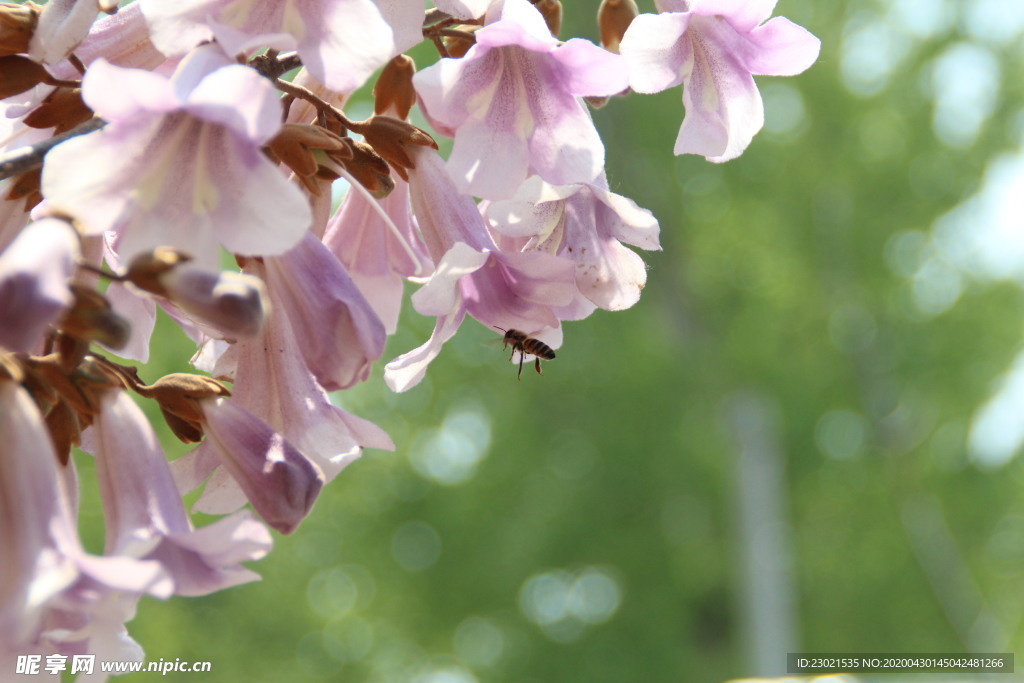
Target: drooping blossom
(714, 48)
(513, 104)
(341, 42)
(179, 163)
(146, 517)
(34, 274)
(507, 289)
(341, 335)
(586, 224)
(52, 593)
(281, 483)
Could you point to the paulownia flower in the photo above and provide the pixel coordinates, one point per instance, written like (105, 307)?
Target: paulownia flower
(34, 273)
(179, 163)
(714, 48)
(341, 42)
(513, 104)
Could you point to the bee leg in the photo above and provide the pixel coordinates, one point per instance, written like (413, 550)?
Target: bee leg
(537, 365)
(520, 376)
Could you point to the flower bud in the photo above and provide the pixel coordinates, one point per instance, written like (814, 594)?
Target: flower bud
(394, 92)
(367, 167)
(232, 303)
(91, 318)
(18, 74)
(389, 138)
(295, 146)
(551, 10)
(17, 23)
(457, 46)
(178, 395)
(613, 18)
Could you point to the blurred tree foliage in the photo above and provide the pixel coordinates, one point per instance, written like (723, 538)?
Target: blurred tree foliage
(583, 526)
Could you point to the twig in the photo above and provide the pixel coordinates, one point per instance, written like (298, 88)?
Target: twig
(27, 158)
(308, 95)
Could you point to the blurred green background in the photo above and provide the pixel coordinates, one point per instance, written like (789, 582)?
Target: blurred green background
(801, 439)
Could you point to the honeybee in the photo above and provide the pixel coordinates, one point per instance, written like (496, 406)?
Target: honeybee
(524, 344)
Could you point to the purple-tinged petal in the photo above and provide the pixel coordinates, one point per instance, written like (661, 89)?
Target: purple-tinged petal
(176, 181)
(745, 15)
(512, 105)
(405, 17)
(517, 290)
(145, 515)
(520, 24)
(783, 49)
(568, 149)
(239, 98)
(121, 95)
(591, 70)
(207, 560)
(140, 312)
(140, 500)
(489, 157)
(723, 110)
(34, 272)
(34, 568)
(122, 39)
(441, 292)
(445, 216)
(379, 246)
(465, 9)
(341, 334)
(174, 30)
(408, 370)
(273, 383)
(657, 57)
(281, 483)
(234, 304)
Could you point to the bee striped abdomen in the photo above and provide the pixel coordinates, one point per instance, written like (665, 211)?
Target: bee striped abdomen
(536, 347)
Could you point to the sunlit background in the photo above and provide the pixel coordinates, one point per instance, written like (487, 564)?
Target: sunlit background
(803, 438)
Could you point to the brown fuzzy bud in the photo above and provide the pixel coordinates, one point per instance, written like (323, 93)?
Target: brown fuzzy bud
(17, 24)
(393, 91)
(145, 270)
(295, 146)
(18, 74)
(458, 46)
(178, 395)
(91, 318)
(367, 167)
(551, 10)
(389, 138)
(613, 18)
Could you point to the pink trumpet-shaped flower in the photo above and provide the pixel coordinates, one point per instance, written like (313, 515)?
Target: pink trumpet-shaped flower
(45, 572)
(585, 224)
(507, 289)
(34, 274)
(513, 103)
(341, 335)
(179, 163)
(145, 515)
(714, 48)
(341, 42)
(281, 483)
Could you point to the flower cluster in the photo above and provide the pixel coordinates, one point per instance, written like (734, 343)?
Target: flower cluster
(178, 133)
